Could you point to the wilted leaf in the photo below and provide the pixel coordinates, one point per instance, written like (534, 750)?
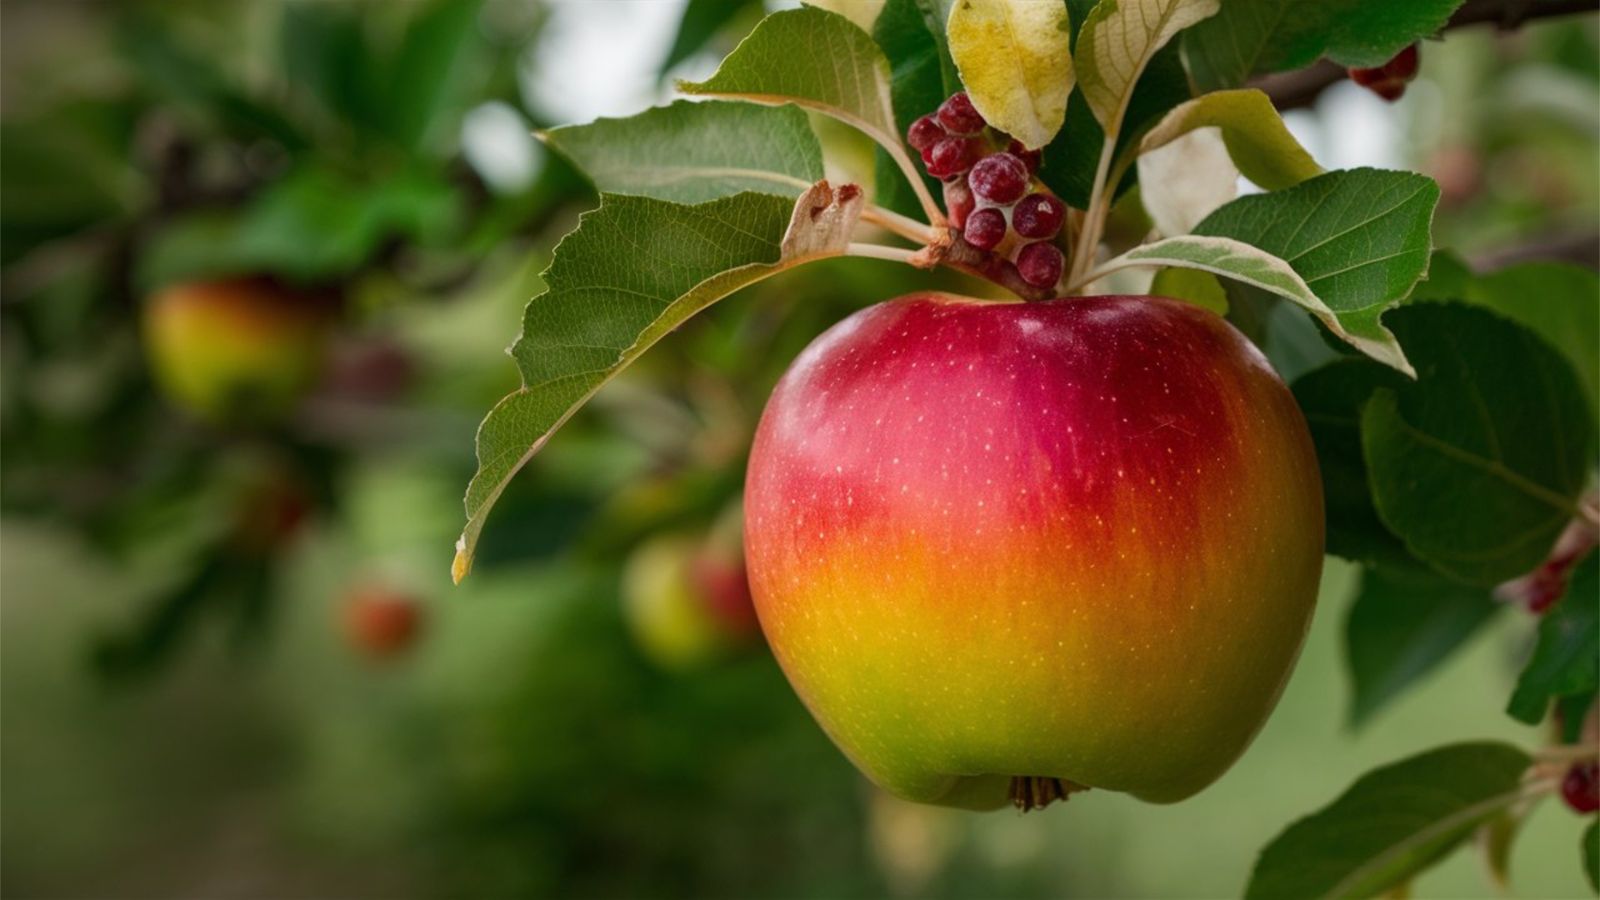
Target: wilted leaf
(1015, 58)
(1478, 465)
(693, 152)
(1256, 138)
(1393, 822)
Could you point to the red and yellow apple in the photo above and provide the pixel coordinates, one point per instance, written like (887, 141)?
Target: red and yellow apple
(1003, 550)
(235, 350)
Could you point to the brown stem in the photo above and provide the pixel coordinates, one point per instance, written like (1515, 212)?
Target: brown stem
(1030, 792)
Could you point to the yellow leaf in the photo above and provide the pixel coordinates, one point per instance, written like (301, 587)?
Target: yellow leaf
(1015, 58)
(1259, 142)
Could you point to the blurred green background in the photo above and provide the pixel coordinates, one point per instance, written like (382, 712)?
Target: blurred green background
(188, 708)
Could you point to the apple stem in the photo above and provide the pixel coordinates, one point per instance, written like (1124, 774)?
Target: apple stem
(1030, 792)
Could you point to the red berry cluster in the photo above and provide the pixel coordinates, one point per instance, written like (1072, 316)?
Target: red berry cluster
(988, 181)
(1390, 79)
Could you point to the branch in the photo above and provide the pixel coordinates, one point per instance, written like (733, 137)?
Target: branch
(1291, 90)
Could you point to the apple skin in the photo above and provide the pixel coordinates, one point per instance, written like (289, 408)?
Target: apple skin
(1077, 539)
(238, 350)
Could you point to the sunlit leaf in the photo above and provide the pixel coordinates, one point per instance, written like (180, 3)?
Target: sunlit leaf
(1015, 58)
(1186, 180)
(1256, 138)
(1117, 42)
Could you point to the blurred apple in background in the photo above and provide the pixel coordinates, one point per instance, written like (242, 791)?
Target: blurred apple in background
(381, 622)
(685, 596)
(238, 350)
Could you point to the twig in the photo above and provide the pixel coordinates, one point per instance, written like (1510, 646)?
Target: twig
(879, 251)
(1292, 90)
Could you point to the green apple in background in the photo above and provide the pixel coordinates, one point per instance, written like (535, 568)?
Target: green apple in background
(237, 350)
(686, 598)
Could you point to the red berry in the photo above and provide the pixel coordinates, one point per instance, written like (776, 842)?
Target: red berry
(958, 201)
(924, 133)
(985, 228)
(1030, 158)
(999, 178)
(1040, 264)
(950, 156)
(959, 116)
(1038, 216)
(1389, 80)
(1581, 787)
(381, 622)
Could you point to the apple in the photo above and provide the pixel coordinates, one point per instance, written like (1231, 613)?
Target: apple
(686, 599)
(381, 622)
(1004, 551)
(239, 350)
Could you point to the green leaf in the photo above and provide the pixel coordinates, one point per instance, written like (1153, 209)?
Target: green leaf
(1117, 42)
(1251, 37)
(1479, 464)
(1070, 161)
(1566, 660)
(635, 269)
(1191, 286)
(1256, 267)
(693, 152)
(1331, 398)
(1591, 854)
(1015, 57)
(1560, 302)
(815, 58)
(1404, 623)
(1256, 138)
(1392, 823)
(916, 86)
(1360, 238)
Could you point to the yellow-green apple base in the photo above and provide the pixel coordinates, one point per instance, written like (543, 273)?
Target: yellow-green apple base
(1077, 539)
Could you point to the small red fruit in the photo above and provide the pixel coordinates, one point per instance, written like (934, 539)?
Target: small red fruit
(381, 622)
(951, 156)
(1040, 264)
(959, 116)
(1581, 787)
(999, 178)
(924, 133)
(1038, 217)
(1390, 79)
(985, 228)
(1030, 158)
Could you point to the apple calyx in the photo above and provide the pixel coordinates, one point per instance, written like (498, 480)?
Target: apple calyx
(1030, 792)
